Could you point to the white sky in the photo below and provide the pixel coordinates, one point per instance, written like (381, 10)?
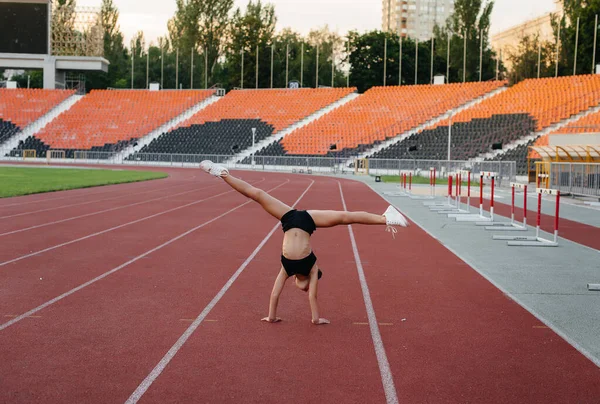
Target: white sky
(151, 16)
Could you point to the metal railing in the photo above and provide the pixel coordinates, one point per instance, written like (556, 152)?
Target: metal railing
(506, 170)
(575, 178)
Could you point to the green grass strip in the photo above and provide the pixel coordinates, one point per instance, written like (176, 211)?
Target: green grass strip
(16, 181)
(423, 180)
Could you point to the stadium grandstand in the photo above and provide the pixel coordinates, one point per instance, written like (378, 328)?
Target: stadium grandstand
(109, 120)
(21, 107)
(521, 111)
(225, 126)
(410, 121)
(379, 114)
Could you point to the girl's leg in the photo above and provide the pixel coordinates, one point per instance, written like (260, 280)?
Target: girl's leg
(330, 218)
(272, 205)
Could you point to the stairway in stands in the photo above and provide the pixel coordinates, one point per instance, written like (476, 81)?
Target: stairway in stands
(37, 121)
(175, 122)
(238, 158)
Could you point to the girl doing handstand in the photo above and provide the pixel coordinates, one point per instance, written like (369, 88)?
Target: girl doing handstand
(297, 258)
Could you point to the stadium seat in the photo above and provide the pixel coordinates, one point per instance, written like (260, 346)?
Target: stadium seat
(108, 120)
(228, 123)
(21, 107)
(378, 114)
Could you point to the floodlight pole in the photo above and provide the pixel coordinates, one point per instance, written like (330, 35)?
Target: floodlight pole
(416, 60)
(384, 59)
(595, 39)
(132, 66)
(253, 142)
(576, 44)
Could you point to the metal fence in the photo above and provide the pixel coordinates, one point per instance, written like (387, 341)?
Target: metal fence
(575, 178)
(506, 170)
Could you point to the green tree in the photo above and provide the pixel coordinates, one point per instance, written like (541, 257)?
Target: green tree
(332, 49)
(251, 32)
(114, 51)
(139, 52)
(585, 11)
(471, 18)
(35, 77)
(199, 30)
(367, 60)
(525, 59)
(213, 19)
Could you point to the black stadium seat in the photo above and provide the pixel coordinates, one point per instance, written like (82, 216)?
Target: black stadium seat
(7, 130)
(210, 138)
(469, 139)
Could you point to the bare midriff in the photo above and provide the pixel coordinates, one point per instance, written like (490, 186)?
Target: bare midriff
(296, 244)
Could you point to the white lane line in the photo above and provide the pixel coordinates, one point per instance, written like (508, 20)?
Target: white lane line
(105, 210)
(534, 312)
(104, 275)
(382, 360)
(158, 369)
(89, 202)
(46, 199)
(111, 229)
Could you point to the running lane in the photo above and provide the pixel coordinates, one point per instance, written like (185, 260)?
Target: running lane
(237, 358)
(575, 231)
(97, 344)
(29, 282)
(23, 241)
(455, 337)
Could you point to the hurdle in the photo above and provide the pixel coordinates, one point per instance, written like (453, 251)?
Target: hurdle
(537, 240)
(432, 178)
(512, 225)
(480, 217)
(437, 207)
(468, 173)
(404, 180)
(458, 189)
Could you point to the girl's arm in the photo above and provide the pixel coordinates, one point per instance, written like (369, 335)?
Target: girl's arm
(274, 301)
(312, 297)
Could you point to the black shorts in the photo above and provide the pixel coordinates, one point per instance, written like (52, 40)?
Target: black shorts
(301, 266)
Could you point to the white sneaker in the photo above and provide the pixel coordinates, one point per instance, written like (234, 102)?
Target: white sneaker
(213, 169)
(394, 218)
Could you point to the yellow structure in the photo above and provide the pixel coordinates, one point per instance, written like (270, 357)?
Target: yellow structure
(560, 154)
(361, 166)
(29, 154)
(55, 154)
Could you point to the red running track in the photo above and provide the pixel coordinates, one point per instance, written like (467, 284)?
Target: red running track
(571, 230)
(449, 335)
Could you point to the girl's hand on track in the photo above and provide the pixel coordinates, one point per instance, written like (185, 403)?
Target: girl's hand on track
(320, 321)
(271, 320)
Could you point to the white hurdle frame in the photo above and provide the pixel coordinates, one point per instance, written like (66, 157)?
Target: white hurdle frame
(512, 225)
(439, 207)
(432, 178)
(480, 217)
(458, 208)
(537, 241)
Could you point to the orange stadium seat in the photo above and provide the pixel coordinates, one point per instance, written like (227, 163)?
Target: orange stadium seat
(381, 113)
(277, 107)
(106, 117)
(225, 126)
(548, 100)
(24, 106)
